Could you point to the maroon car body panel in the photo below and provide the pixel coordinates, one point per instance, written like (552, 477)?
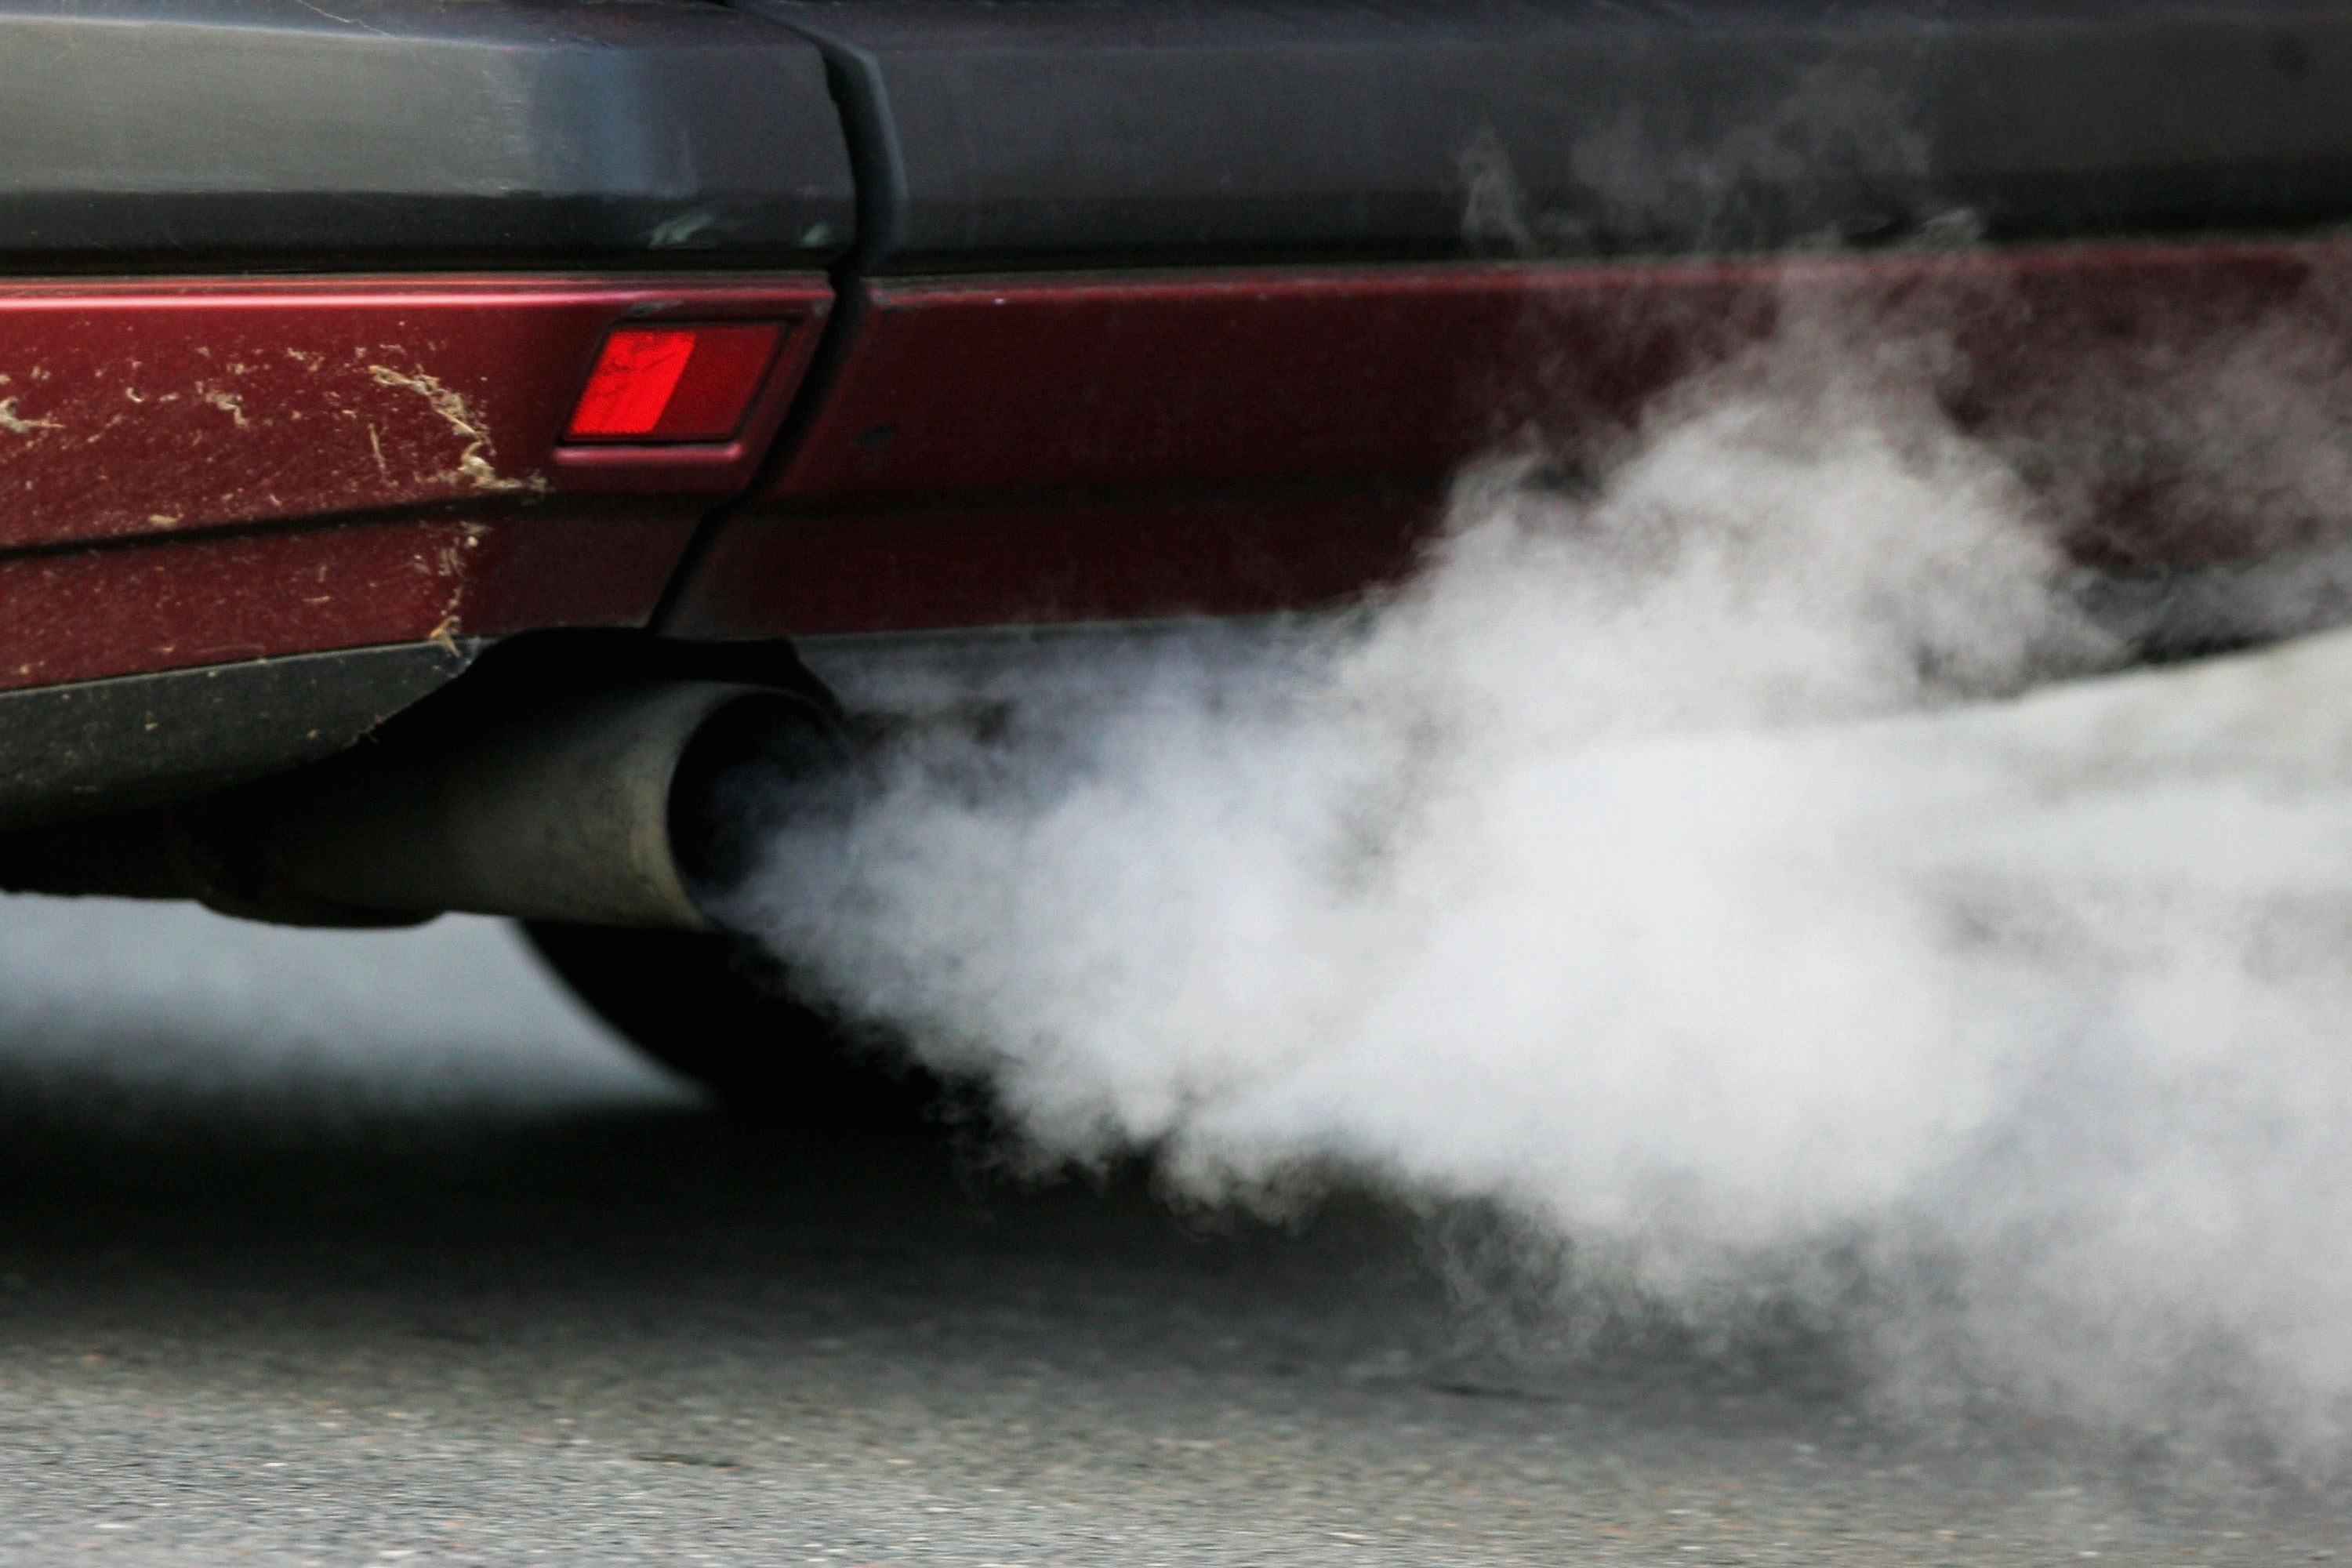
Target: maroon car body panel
(205, 472)
(201, 472)
(176, 604)
(138, 408)
(1013, 384)
(1029, 563)
(1018, 450)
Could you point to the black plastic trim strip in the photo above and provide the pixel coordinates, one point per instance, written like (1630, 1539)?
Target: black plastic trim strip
(98, 747)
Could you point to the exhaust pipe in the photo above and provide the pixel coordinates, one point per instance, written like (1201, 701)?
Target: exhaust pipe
(624, 805)
(596, 810)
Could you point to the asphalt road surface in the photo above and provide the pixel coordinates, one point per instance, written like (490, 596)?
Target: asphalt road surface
(342, 1249)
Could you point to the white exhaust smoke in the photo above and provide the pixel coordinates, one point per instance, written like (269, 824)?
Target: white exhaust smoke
(1675, 864)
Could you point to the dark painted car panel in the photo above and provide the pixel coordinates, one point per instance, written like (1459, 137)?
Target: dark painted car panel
(1026, 448)
(1022, 131)
(282, 132)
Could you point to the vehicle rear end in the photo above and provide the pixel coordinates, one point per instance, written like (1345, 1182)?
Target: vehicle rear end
(444, 440)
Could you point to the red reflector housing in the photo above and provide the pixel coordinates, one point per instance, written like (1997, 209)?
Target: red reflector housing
(674, 384)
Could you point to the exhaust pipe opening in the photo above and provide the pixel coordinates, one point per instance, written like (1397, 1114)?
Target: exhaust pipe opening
(749, 761)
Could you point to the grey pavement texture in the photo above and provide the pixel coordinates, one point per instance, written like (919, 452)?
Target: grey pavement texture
(365, 1249)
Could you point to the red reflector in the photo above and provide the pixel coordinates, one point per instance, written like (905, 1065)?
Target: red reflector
(674, 384)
